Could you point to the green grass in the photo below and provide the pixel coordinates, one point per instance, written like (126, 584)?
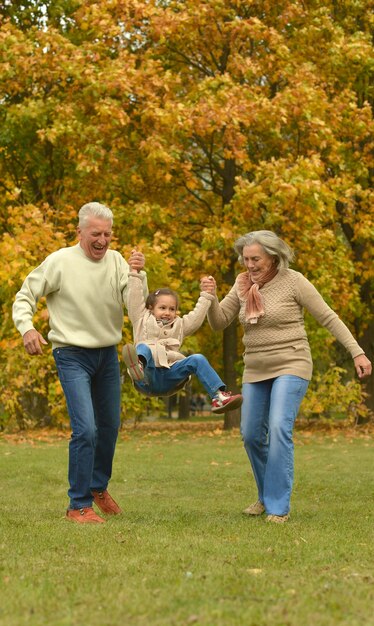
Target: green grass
(182, 553)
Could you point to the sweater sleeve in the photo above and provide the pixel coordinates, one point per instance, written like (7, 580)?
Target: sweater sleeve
(195, 318)
(221, 314)
(135, 296)
(34, 287)
(125, 288)
(308, 297)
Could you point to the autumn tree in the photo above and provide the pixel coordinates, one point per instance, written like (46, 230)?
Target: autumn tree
(264, 120)
(196, 122)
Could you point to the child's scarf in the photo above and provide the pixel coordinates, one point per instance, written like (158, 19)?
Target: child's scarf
(250, 291)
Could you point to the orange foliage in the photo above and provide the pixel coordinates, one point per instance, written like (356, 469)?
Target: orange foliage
(195, 121)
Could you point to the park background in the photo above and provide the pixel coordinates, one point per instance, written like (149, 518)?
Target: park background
(195, 122)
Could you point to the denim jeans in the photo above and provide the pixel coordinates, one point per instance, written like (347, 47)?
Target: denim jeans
(90, 379)
(160, 380)
(269, 411)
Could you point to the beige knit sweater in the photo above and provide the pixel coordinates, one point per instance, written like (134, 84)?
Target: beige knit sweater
(278, 343)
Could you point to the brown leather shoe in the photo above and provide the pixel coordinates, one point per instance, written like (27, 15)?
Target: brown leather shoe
(106, 503)
(84, 516)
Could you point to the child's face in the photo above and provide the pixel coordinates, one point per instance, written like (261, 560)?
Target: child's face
(165, 308)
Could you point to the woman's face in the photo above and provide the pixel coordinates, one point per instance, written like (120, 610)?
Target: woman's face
(256, 260)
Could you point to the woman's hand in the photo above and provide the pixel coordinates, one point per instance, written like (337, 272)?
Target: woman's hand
(208, 284)
(362, 365)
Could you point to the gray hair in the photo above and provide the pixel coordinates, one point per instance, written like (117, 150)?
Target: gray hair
(94, 209)
(271, 243)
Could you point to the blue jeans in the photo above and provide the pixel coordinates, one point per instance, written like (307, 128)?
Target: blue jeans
(90, 379)
(269, 411)
(160, 380)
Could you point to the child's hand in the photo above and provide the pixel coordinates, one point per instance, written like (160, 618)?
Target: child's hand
(136, 261)
(208, 284)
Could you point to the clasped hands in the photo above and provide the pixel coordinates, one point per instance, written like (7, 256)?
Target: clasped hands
(136, 260)
(208, 284)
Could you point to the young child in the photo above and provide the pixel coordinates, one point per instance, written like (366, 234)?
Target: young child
(155, 365)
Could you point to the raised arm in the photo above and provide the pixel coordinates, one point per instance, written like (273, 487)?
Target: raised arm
(195, 318)
(220, 314)
(136, 286)
(135, 264)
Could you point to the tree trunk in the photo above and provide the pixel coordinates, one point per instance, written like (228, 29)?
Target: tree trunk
(184, 403)
(230, 358)
(230, 335)
(366, 341)
(365, 338)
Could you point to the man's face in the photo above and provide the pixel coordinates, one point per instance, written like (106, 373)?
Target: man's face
(95, 237)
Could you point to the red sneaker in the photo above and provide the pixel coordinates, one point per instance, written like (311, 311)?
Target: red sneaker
(225, 401)
(84, 516)
(105, 502)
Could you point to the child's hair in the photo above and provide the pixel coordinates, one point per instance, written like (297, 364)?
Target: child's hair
(152, 297)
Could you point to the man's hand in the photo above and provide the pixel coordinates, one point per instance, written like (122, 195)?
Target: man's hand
(32, 341)
(136, 260)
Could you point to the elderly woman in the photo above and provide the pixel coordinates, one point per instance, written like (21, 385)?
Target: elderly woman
(269, 299)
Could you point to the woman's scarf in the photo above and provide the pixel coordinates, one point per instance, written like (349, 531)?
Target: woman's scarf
(250, 291)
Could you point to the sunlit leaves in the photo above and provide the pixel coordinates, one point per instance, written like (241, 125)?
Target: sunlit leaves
(195, 121)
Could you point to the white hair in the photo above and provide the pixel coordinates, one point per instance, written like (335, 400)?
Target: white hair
(94, 209)
(271, 243)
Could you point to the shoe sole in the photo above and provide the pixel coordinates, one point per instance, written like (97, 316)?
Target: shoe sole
(84, 520)
(131, 361)
(90, 521)
(230, 406)
(277, 519)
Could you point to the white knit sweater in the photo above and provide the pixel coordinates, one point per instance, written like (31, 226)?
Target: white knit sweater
(85, 298)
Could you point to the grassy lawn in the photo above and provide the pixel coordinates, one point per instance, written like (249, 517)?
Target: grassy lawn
(182, 553)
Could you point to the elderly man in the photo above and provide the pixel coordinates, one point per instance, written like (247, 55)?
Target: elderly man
(85, 288)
